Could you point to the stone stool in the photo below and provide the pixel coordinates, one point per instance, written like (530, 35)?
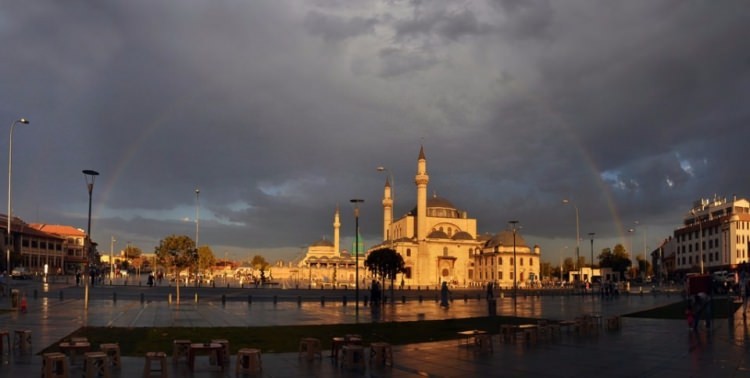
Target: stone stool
(353, 356)
(180, 348)
(336, 344)
(95, 365)
(4, 339)
(22, 341)
(55, 365)
(112, 350)
(382, 353)
(248, 361)
(225, 351)
(310, 346)
(159, 357)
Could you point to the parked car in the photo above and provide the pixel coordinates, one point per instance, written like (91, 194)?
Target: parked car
(20, 273)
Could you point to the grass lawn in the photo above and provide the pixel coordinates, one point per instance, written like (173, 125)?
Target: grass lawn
(278, 339)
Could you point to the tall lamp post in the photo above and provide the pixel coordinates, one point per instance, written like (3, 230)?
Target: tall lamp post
(22, 121)
(514, 228)
(197, 233)
(578, 238)
(111, 259)
(89, 176)
(356, 203)
(591, 278)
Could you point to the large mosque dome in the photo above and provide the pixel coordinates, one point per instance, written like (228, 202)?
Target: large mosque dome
(439, 207)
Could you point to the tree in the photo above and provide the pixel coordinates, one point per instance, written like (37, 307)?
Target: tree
(206, 259)
(385, 263)
(131, 252)
(178, 251)
(618, 260)
(259, 263)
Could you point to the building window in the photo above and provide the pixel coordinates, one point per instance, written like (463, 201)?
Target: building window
(407, 273)
(408, 252)
(500, 261)
(521, 261)
(499, 275)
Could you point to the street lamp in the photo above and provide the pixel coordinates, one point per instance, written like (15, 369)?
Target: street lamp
(356, 203)
(591, 277)
(197, 232)
(111, 261)
(578, 238)
(23, 121)
(392, 183)
(89, 176)
(513, 225)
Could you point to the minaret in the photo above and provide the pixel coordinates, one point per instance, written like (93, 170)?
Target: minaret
(387, 210)
(421, 179)
(336, 227)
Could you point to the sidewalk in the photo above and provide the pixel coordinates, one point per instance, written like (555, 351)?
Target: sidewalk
(642, 348)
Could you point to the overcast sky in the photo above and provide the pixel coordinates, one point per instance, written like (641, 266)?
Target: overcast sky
(280, 111)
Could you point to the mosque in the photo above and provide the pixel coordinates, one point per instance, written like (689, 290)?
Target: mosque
(438, 242)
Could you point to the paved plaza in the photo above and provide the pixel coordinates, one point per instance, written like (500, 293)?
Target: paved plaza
(641, 348)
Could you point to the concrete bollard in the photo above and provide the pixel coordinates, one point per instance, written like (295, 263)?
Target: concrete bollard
(364, 301)
(142, 298)
(61, 295)
(169, 298)
(403, 299)
(466, 298)
(36, 294)
(114, 297)
(196, 298)
(223, 299)
(420, 298)
(299, 301)
(343, 300)
(322, 301)
(249, 299)
(275, 300)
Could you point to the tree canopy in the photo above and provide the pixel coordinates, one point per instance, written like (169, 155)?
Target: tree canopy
(385, 263)
(618, 260)
(176, 250)
(206, 259)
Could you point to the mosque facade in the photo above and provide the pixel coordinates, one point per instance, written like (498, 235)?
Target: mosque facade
(440, 243)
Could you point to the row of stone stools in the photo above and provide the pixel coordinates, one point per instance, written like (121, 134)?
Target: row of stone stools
(21, 341)
(248, 359)
(347, 351)
(96, 364)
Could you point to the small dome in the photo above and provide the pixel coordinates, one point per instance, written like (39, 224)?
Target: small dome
(505, 239)
(437, 234)
(436, 201)
(462, 235)
(322, 243)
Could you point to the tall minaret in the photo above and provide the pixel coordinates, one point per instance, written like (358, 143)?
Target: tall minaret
(421, 179)
(387, 210)
(336, 227)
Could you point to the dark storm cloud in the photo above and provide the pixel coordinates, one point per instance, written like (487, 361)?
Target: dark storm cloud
(280, 111)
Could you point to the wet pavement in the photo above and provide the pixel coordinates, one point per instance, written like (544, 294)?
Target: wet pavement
(642, 347)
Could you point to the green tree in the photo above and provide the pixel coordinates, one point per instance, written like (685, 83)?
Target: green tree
(385, 263)
(618, 259)
(131, 252)
(259, 263)
(176, 251)
(206, 258)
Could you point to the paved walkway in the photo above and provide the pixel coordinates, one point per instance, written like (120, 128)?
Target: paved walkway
(642, 348)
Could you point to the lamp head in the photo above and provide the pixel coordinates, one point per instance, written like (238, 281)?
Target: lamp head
(23, 120)
(380, 168)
